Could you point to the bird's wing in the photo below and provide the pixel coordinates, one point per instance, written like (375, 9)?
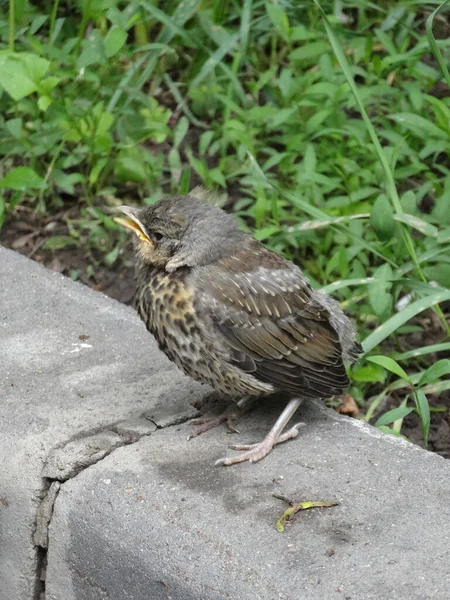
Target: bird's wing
(265, 312)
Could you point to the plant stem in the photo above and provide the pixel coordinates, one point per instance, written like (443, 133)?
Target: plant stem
(83, 24)
(52, 20)
(12, 17)
(433, 43)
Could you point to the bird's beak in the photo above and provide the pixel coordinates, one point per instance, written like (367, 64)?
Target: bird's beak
(131, 221)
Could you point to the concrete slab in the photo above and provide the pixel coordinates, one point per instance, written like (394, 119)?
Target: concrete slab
(156, 520)
(99, 485)
(74, 365)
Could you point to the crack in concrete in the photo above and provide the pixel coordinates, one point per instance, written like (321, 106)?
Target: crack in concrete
(67, 461)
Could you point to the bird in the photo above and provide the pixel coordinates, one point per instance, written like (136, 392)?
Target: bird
(233, 314)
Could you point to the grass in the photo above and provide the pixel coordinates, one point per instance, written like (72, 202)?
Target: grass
(328, 125)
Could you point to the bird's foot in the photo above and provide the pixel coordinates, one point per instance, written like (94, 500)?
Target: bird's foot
(230, 416)
(255, 452)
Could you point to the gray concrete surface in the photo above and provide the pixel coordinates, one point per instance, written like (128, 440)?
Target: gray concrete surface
(157, 520)
(129, 511)
(77, 374)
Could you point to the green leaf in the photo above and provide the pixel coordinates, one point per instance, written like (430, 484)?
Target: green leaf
(205, 141)
(93, 50)
(181, 130)
(185, 181)
(390, 365)
(369, 373)
(21, 73)
(111, 257)
(393, 415)
(392, 324)
(419, 224)
(265, 232)
(436, 371)
(58, 242)
(279, 19)
(97, 169)
(44, 102)
(309, 51)
(444, 235)
(114, 40)
(388, 430)
(130, 166)
(439, 272)
(66, 181)
(379, 297)
(409, 202)
(104, 123)
(420, 126)
(423, 410)
(14, 127)
(382, 218)
(22, 178)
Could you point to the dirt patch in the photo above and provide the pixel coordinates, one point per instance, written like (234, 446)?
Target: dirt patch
(26, 233)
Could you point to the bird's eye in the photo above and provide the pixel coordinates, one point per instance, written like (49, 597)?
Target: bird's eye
(156, 236)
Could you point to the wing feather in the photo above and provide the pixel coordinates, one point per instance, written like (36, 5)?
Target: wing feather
(271, 322)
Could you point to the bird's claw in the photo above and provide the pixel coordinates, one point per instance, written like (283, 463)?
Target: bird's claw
(206, 423)
(255, 452)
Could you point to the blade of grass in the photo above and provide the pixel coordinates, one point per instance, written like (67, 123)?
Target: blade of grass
(419, 224)
(184, 11)
(337, 285)
(392, 324)
(423, 410)
(125, 81)
(170, 23)
(433, 43)
(422, 351)
(214, 60)
(246, 15)
(309, 225)
(424, 257)
(182, 102)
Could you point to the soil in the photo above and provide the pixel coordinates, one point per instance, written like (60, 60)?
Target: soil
(26, 233)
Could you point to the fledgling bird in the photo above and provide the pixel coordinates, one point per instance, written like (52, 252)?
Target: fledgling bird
(230, 313)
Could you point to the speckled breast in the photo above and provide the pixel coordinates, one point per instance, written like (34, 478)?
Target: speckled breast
(166, 304)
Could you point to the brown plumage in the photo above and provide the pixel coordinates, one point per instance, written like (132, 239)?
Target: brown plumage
(233, 314)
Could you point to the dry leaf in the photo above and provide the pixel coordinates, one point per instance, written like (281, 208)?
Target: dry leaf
(23, 240)
(348, 406)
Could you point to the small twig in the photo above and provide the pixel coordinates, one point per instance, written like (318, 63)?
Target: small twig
(283, 498)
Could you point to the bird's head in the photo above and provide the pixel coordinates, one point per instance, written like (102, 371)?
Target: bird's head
(181, 231)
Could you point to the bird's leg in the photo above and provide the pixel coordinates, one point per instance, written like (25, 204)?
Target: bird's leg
(255, 452)
(230, 416)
